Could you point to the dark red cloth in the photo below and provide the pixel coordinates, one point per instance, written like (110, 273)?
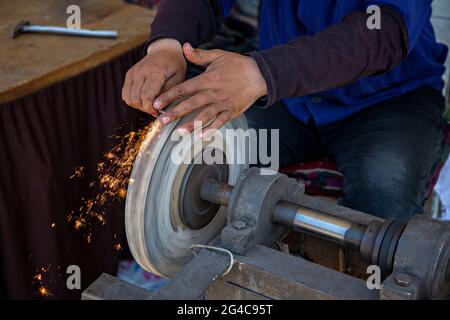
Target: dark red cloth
(321, 178)
(43, 137)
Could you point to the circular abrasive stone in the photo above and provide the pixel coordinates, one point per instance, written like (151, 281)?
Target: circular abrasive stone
(161, 192)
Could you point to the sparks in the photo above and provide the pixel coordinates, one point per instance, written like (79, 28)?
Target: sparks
(79, 223)
(79, 172)
(101, 218)
(113, 178)
(41, 279)
(122, 193)
(44, 292)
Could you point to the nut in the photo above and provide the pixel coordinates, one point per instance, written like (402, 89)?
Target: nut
(239, 225)
(403, 280)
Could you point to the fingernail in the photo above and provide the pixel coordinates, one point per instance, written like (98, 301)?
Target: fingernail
(165, 120)
(157, 104)
(189, 47)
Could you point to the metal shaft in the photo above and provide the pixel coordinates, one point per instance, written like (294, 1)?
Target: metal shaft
(297, 217)
(303, 219)
(71, 32)
(215, 192)
(376, 242)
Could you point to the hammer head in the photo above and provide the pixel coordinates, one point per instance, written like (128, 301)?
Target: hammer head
(18, 28)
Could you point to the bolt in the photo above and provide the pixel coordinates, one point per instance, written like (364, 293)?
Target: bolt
(239, 224)
(403, 280)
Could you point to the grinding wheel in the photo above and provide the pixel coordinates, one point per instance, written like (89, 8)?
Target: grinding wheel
(164, 214)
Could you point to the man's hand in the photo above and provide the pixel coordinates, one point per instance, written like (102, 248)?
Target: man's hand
(229, 86)
(162, 68)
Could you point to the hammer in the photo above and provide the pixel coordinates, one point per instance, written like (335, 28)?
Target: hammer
(26, 27)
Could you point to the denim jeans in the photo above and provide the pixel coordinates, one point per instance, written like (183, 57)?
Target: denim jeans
(388, 152)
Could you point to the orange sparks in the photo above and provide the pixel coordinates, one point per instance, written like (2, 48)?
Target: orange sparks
(38, 277)
(101, 218)
(118, 247)
(100, 166)
(46, 269)
(44, 292)
(113, 178)
(122, 193)
(110, 155)
(79, 172)
(40, 281)
(53, 225)
(79, 223)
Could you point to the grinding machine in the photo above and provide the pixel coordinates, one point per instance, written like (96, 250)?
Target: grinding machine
(225, 231)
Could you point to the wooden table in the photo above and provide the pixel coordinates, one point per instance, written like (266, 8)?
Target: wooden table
(34, 61)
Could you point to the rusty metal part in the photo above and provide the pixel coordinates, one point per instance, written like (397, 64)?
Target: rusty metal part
(253, 200)
(264, 207)
(215, 192)
(421, 254)
(422, 257)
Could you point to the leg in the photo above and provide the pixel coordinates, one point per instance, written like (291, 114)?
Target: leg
(298, 142)
(388, 153)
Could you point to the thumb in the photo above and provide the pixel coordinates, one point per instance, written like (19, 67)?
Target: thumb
(199, 56)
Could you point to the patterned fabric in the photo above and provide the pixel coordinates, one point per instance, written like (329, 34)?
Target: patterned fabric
(131, 272)
(320, 177)
(323, 178)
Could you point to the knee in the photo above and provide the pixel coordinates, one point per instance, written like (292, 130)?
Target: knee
(388, 189)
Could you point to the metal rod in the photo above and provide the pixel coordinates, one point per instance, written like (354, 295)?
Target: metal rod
(215, 192)
(71, 32)
(299, 218)
(303, 219)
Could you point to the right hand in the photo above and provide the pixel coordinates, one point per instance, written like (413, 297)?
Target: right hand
(162, 68)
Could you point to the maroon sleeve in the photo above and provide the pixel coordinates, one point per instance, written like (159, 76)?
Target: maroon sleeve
(193, 21)
(340, 55)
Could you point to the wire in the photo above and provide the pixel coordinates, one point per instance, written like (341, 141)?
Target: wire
(228, 252)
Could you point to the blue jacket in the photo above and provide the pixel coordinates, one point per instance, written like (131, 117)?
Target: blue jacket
(284, 20)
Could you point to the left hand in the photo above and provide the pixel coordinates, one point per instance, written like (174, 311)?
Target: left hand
(229, 86)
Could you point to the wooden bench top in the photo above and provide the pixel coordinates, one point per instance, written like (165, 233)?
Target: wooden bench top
(34, 61)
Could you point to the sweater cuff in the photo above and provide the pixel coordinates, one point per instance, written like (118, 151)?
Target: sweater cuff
(264, 68)
(155, 37)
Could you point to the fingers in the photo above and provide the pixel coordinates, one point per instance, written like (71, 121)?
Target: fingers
(185, 107)
(204, 118)
(150, 90)
(199, 56)
(131, 90)
(221, 119)
(135, 94)
(140, 92)
(171, 82)
(126, 89)
(182, 90)
(192, 86)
